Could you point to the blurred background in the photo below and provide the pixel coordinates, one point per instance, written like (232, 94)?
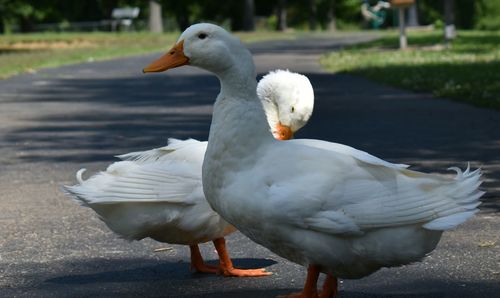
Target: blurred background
(450, 48)
(237, 15)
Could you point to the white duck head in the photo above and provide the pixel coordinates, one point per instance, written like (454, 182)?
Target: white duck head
(288, 100)
(212, 48)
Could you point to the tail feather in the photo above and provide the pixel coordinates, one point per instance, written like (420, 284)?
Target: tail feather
(450, 221)
(74, 192)
(465, 193)
(79, 175)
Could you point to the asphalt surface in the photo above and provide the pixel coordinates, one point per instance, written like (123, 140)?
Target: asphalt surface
(56, 121)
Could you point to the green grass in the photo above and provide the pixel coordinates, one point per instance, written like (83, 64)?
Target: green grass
(28, 52)
(468, 71)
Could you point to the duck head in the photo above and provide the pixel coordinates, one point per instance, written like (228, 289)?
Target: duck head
(206, 46)
(288, 101)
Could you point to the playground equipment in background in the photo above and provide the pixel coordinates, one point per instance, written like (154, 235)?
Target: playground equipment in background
(375, 15)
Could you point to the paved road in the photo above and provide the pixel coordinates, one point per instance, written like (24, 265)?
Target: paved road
(56, 121)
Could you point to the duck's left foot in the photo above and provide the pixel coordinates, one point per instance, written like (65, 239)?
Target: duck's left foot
(226, 265)
(243, 272)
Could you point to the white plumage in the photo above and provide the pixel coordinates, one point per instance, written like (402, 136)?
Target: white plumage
(155, 194)
(333, 208)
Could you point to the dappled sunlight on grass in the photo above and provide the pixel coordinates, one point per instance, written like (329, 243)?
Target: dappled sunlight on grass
(467, 71)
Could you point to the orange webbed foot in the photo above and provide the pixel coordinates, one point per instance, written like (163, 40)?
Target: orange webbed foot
(243, 272)
(226, 265)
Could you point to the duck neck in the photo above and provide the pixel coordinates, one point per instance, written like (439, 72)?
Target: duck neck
(238, 123)
(238, 81)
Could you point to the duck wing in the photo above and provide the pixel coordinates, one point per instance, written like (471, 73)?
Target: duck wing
(340, 191)
(136, 198)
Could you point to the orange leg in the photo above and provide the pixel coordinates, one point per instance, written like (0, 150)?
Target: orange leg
(226, 265)
(197, 261)
(310, 290)
(329, 287)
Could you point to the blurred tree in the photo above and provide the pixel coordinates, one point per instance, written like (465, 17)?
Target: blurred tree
(466, 12)
(449, 18)
(249, 15)
(155, 19)
(487, 14)
(413, 15)
(330, 16)
(180, 10)
(281, 15)
(313, 16)
(24, 13)
(27, 13)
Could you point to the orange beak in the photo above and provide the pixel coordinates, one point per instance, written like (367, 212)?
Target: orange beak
(283, 132)
(174, 58)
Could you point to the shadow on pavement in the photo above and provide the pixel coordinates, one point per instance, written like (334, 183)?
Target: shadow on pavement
(131, 277)
(150, 278)
(160, 271)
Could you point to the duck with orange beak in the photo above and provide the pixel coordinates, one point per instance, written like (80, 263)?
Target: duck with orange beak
(327, 206)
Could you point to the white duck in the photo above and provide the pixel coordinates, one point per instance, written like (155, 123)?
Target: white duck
(158, 193)
(327, 206)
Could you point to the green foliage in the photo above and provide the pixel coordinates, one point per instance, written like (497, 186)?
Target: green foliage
(25, 14)
(488, 14)
(466, 72)
(479, 14)
(349, 11)
(271, 22)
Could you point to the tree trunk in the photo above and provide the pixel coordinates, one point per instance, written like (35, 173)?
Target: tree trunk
(312, 15)
(281, 14)
(155, 19)
(449, 19)
(248, 15)
(403, 43)
(413, 15)
(331, 19)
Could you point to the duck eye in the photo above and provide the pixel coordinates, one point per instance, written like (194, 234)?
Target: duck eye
(293, 109)
(202, 35)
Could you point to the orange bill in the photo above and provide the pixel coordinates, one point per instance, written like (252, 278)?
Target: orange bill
(283, 132)
(174, 58)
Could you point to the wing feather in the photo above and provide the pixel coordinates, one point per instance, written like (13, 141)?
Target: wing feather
(352, 193)
(189, 147)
